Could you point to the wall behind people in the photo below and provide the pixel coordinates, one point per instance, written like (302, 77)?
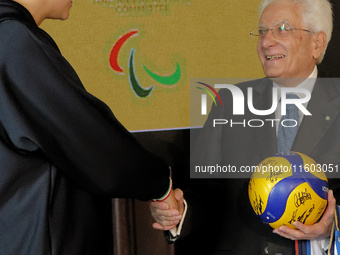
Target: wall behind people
(160, 45)
(331, 63)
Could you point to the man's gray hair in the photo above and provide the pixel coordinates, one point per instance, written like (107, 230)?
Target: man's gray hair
(317, 16)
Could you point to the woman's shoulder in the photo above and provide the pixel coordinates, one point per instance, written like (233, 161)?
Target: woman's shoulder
(21, 37)
(14, 33)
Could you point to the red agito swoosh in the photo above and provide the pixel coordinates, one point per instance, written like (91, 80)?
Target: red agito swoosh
(115, 50)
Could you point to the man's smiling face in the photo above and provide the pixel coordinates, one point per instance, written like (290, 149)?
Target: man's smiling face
(292, 56)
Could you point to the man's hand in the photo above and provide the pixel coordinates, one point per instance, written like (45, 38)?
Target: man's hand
(168, 213)
(320, 229)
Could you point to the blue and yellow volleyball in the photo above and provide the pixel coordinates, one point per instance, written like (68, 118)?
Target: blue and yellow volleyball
(287, 188)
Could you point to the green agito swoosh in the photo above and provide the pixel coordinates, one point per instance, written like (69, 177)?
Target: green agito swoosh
(137, 88)
(166, 80)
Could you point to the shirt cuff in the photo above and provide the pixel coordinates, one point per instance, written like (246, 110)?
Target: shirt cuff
(176, 231)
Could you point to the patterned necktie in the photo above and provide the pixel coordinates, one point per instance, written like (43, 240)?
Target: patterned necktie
(287, 131)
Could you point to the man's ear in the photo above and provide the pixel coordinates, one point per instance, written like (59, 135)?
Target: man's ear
(319, 44)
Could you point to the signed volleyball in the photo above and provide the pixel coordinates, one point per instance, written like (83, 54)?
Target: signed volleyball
(287, 188)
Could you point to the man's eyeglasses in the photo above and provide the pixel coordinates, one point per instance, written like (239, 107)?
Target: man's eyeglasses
(278, 32)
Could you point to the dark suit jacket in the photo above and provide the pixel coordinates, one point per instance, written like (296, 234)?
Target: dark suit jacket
(229, 226)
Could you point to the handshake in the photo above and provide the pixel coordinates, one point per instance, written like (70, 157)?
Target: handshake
(169, 212)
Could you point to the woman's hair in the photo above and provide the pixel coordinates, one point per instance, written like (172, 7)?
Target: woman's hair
(317, 15)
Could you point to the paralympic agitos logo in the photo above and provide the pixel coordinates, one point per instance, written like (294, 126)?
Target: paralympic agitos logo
(140, 90)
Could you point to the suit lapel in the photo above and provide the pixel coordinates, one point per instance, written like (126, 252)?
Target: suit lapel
(324, 107)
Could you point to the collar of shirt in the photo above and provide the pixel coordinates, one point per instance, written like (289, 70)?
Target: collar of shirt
(306, 84)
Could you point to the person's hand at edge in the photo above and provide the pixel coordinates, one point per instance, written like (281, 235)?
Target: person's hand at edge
(321, 229)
